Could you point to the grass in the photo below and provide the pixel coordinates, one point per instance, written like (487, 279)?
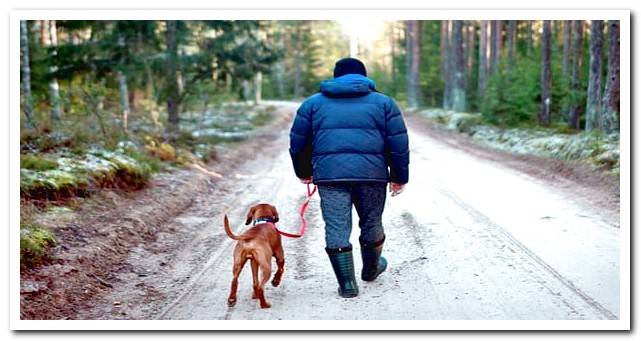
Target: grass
(35, 244)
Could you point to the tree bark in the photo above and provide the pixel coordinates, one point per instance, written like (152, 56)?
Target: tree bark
(574, 113)
(511, 41)
(470, 48)
(258, 87)
(567, 38)
(25, 79)
(173, 94)
(483, 58)
(609, 116)
(529, 43)
(413, 80)
(496, 45)
(124, 98)
(443, 49)
(546, 76)
(593, 105)
(50, 41)
(458, 93)
(298, 91)
(446, 64)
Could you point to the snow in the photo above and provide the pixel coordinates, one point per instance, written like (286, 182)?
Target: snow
(468, 239)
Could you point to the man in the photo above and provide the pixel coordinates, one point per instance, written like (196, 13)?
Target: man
(351, 140)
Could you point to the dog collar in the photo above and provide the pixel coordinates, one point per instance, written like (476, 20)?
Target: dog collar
(263, 220)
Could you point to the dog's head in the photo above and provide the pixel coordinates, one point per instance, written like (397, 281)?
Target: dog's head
(262, 211)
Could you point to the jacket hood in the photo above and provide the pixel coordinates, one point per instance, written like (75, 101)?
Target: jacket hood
(350, 85)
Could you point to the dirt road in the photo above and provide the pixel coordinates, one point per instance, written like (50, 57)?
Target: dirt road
(468, 239)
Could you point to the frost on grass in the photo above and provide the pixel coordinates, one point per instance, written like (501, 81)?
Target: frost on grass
(593, 147)
(75, 174)
(35, 242)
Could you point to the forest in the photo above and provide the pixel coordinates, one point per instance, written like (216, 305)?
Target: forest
(105, 104)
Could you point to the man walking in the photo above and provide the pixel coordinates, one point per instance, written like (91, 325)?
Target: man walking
(351, 140)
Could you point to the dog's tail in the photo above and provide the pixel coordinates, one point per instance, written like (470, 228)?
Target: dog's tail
(228, 230)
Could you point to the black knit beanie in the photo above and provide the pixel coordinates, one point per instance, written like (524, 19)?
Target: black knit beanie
(349, 65)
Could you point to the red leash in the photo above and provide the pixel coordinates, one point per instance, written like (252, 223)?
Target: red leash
(303, 208)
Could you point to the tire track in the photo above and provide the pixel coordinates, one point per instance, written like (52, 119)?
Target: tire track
(501, 233)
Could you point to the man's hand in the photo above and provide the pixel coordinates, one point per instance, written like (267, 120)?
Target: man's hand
(307, 180)
(396, 188)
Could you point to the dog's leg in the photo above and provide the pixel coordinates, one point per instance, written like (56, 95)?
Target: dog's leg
(266, 269)
(238, 267)
(279, 254)
(254, 265)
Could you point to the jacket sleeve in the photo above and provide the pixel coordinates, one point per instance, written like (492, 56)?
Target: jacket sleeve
(300, 141)
(397, 144)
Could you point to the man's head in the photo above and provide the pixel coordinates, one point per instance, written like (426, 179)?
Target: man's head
(349, 65)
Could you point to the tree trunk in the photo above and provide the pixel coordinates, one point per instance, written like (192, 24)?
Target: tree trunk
(529, 44)
(511, 41)
(593, 106)
(298, 91)
(574, 113)
(609, 116)
(44, 32)
(393, 54)
(279, 69)
(483, 60)
(258, 87)
(25, 79)
(496, 45)
(458, 93)
(173, 95)
(567, 38)
(413, 70)
(50, 41)
(446, 62)
(443, 47)
(546, 76)
(470, 48)
(124, 97)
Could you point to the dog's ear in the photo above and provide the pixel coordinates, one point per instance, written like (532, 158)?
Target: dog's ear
(274, 214)
(250, 215)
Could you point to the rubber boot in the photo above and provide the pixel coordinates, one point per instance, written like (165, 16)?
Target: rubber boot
(373, 263)
(343, 265)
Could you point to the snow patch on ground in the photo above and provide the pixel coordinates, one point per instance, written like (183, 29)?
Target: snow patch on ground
(595, 148)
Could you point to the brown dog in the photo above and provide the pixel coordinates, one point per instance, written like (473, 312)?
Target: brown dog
(259, 244)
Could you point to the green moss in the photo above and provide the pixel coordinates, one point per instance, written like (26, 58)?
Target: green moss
(262, 118)
(35, 243)
(36, 162)
(155, 165)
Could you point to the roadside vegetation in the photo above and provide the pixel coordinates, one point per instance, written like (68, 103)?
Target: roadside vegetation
(595, 148)
(106, 104)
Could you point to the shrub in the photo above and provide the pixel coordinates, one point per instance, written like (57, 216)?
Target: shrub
(35, 243)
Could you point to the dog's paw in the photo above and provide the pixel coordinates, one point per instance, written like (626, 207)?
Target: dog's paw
(265, 305)
(231, 302)
(275, 283)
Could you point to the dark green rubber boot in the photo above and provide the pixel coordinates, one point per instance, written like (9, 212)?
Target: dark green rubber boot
(343, 265)
(373, 263)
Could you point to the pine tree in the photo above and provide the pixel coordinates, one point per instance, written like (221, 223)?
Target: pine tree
(458, 93)
(483, 58)
(576, 58)
(593, 106)
(413, 70)
(610, 103)
(25, 77)
(546, 76)
(173, 87)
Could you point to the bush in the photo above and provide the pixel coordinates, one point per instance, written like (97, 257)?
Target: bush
(35, 243)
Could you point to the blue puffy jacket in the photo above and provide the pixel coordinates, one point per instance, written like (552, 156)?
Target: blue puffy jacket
(349, 132)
